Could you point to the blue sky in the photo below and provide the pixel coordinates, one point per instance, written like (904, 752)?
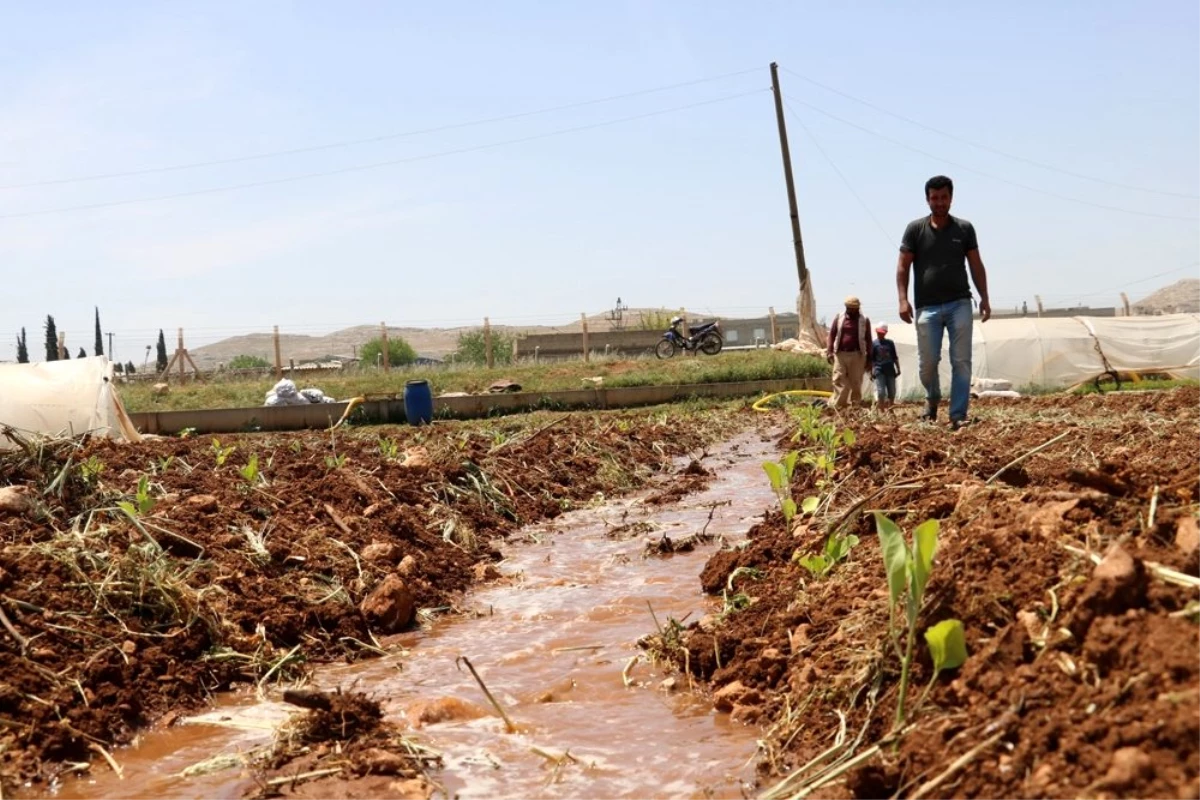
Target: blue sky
(681, 208)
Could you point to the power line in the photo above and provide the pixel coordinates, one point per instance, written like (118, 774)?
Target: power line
(378, 164)
(375, 139)
(829, 160)
(989, 149)
(944, 160)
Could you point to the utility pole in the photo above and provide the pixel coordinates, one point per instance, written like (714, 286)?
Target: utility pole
(801, 267)
(111, 357)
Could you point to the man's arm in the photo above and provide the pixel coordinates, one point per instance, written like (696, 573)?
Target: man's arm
(833, 330)
(979, 276)
(903, 268)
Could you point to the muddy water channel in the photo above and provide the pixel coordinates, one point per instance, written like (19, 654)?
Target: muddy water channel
(553, 639)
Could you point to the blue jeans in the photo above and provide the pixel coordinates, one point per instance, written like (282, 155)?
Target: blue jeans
(955, 319)
(885, 383)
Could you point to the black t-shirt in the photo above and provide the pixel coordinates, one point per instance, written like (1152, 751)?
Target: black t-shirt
(939, 259)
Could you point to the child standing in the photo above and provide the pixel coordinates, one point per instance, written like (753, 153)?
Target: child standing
(886, 367)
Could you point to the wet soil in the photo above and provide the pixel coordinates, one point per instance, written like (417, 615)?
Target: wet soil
(1081, 680)
(244, 560)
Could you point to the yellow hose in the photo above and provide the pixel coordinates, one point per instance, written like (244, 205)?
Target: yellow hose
(760, 405)
(354, 402)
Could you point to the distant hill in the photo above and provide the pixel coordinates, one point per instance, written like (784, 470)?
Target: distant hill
(1181, 297)
(429, 342)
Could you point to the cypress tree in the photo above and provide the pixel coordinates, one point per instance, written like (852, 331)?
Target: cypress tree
(51, 339)
(162, 351)
(99, 336)
(22, 349)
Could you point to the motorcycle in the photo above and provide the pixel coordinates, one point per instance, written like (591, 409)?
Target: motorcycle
(705, 338)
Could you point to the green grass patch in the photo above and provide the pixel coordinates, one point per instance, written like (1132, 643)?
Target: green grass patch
(217, 391)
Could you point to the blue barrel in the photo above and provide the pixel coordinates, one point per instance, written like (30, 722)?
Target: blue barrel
(418, 403)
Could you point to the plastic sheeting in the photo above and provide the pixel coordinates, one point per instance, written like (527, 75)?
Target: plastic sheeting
(1062, 351)
(63, 398)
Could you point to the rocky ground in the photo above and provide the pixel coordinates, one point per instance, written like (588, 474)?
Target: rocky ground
(1081, 679)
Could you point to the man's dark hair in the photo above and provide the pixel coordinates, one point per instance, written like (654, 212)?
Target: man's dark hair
(938, 182)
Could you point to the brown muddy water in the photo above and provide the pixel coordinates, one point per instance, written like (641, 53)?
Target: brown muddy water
(551, 639)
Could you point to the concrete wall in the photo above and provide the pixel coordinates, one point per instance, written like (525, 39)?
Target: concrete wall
(552, 345)
(323, 415)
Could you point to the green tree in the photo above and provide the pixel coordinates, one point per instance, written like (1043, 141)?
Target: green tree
(22, 349)
(400, 352)
(162, 360)
(652, 320)
(82, 353)
(472, 349)
(99, 336)
(248, 362)
(51, 339)
(129, 368)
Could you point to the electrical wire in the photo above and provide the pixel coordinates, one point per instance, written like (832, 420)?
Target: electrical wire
(944, 160)
(376, 139)
(989, 149)
(845, 180)
(378, 164)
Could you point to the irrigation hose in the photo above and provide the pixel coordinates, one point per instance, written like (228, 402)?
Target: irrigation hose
(760, 405)
(354, 403)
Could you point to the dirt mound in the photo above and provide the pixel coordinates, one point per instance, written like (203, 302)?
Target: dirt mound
(141, 579)
(1081, 679)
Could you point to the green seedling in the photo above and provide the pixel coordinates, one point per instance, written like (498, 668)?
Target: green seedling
(296, 447)
(90, 469)
(733, 602)
(222, 452)
(250, 472)
(389, 448)
(824, 440)
(908, 568)
(780, 475)
(837, 549)
(161, 465)
(142, 503)
(335, 461)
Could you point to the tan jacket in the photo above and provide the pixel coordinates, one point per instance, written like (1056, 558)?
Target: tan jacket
(864, 334)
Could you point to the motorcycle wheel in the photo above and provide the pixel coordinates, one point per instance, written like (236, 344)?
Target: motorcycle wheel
(711, 344)
(665, 348)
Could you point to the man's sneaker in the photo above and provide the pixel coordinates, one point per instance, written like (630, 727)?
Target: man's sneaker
(929, 414)
(955, 424)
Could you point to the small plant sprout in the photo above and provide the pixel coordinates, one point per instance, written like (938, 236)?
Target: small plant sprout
(250, 472)
(296, 446)
(90, 469)
(222, 452)
(142, 503)
(335, 461)
(780, 475)
(837, 549)
(732, 602)
(908, 568)
(389, 448)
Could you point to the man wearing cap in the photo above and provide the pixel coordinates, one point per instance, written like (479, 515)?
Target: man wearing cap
(849, 350)
(886, 367)
(940, 248)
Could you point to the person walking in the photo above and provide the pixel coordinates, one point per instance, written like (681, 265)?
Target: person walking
(849, 350)
(941, 248)
(886, 367)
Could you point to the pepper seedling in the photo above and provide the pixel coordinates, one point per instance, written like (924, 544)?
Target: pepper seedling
(908, 568)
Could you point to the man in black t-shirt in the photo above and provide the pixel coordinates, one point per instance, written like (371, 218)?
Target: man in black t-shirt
(940, 248)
